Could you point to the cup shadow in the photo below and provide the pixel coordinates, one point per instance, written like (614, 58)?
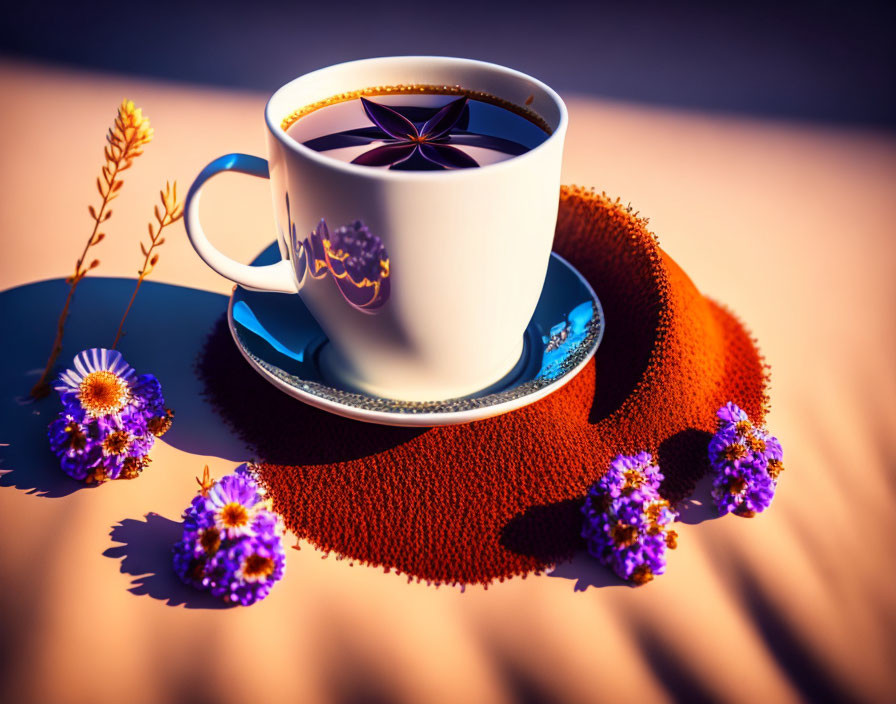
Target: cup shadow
(279, 428)
(145, 553)
(166, 329)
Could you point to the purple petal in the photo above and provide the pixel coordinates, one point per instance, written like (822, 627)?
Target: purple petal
(487, 141)
(418, 115)
(348, 138)
(449, 157)
(386, 154)
(389, 121)
(416, 162)
(444, 120)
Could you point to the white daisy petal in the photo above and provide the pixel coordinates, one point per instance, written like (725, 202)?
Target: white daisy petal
(80, 366)
(112, 360)
(91, 366)
(68, 381)
(214, 495)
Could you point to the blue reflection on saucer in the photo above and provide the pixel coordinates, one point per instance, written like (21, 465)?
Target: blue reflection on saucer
(563, 337)
(279, 337)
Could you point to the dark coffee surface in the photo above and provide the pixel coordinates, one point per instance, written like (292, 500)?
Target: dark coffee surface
(424, 131)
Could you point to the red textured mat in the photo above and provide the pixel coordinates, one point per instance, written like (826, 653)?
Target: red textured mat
(500, 497)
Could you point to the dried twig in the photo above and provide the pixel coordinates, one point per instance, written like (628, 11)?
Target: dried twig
(206, 483)
(174, 211)
(125, 140)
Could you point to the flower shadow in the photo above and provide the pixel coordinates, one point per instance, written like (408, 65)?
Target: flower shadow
(164, 333)
(145, 552)
(699, 506)
(693, 479)
(587, 573)
(26, 462)
(551, 533)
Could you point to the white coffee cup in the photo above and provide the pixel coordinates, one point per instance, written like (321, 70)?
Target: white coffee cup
(468, 249)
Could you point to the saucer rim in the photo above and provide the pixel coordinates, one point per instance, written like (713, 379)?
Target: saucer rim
(428, 419)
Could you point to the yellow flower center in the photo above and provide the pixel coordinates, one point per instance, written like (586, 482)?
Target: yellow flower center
(116, 443)
(102, 393)
(634, 479)
(671, 540)
(737, 485)
(210, 540)
(756, 444)
(133, 466)
(234, 515)
(654, 509)
(98, 475)
(734, 452)
(159, 425)
(76, 439)
(642, 575)
(624, 535)
(257, 567)
(775, 467)
(743, 426)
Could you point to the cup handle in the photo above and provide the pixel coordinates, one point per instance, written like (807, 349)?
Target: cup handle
(277, 277)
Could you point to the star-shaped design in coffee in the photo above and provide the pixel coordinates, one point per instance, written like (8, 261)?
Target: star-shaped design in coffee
(406, 142)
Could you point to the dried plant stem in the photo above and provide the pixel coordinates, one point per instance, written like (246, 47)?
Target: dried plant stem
(130, 132)
(127, 310)
(172, 213)
(42, 388)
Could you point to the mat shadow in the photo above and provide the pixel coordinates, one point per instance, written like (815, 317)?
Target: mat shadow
(145, 553)
(685, 464)
(165, 330)
(620, 361)
(271, 423)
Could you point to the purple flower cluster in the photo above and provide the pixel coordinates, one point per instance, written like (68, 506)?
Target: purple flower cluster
(109, 420)
(746, 461)
(627, 523)
(231, 543)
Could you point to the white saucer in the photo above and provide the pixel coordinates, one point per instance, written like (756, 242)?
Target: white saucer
(282, 342)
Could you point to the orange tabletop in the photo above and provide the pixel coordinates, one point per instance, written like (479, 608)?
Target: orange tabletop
(791, 225)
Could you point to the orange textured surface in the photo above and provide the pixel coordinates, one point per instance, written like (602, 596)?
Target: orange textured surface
(498, 498)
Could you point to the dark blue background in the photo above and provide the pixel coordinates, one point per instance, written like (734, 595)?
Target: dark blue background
(821, 61)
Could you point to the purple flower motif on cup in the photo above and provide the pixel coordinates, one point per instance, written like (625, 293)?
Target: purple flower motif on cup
(352, 254)
(316, 244)
(359, 263)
